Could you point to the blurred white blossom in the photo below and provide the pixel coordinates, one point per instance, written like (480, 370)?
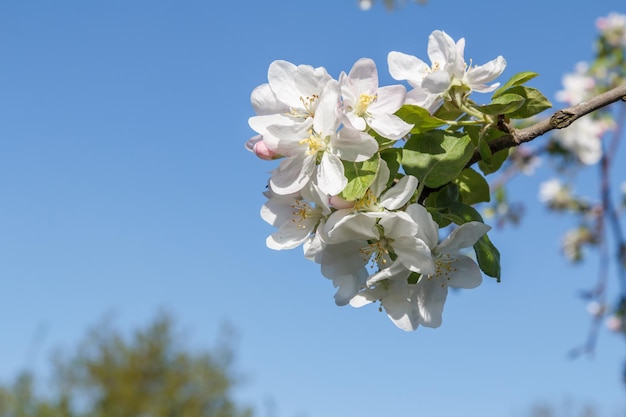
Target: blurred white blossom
(613, 28)
(583, 138)
(577, 86)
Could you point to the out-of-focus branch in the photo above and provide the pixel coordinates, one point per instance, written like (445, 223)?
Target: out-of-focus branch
(559, 120)
(609, 219)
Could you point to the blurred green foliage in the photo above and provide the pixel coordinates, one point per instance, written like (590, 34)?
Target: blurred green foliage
(150, 374)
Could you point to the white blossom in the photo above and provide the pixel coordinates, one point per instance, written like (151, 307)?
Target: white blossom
(448, 68)
(366, 104)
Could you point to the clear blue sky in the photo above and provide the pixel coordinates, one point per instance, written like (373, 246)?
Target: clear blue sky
(126, 188)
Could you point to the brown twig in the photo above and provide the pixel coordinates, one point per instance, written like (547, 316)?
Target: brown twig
(559, 120)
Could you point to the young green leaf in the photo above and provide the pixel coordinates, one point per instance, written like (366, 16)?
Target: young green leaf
(506, 103)
(436, 157)
(517, 79)
(488, 257)
(535, 102)
(419, 117)
(360, 176)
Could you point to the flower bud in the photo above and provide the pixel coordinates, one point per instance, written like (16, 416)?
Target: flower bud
(256, 145)
(339, 203)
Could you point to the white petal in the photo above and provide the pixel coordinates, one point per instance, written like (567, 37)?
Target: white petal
(357, 122)
(428, 230)
(290, 235)
(406, 67)
(401, 307)
(431, 297)
(280, 76)
(397, 224)
(348, 286)
(398, 195)
(389, 126)
(285, 139)
(342, 227)
(464, 236)
(436, 82)
(396, 271)
(414, 254)
(330, 177)
(353, 145)
(380, 180)
(264, 101)
(364, 75)
(441, 49)
(368, 296)
(477, 77)
(388, 99)
(279, 209)
(292, 174)
(464, 273)
(326, 118)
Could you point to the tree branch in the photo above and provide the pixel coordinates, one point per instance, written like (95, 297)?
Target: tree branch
(558, 120)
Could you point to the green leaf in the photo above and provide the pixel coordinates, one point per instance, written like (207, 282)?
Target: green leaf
(473, 187)
(517, 79)
(393, 158)
(436, 157)
(506, 103)
(419, 117)
(488, 257)
(484, 150)
(497, 159)
(360, 176)
(464, 212)
(535, 102)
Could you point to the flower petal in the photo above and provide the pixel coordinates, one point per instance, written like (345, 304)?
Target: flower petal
(406, 67)
(292, 174)
(330, 174)
(431, 297)
(398, 195)
(389, 126)
(353, 145)
(463, 237)
(428, 230)
(466, 273)
(477, 77)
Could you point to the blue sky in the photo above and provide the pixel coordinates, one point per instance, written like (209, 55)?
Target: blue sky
(126, 189)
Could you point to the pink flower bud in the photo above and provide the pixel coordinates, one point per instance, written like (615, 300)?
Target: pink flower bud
(256, 145)
(339, 203)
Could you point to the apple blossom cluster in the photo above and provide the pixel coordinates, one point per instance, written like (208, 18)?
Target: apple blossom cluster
(368, 175)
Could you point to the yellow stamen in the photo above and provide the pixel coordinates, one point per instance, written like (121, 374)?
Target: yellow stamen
(314, 142)
(364, 101)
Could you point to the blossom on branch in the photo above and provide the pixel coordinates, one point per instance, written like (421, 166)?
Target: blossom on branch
(448, 78)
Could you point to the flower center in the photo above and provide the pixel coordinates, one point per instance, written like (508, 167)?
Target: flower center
(367, 202)
(444, 268)
(309, 104)
(364, 101)
(304, 215)
(314, 142)
(378, 252)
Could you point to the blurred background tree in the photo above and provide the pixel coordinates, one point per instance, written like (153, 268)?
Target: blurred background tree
(148, 374)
